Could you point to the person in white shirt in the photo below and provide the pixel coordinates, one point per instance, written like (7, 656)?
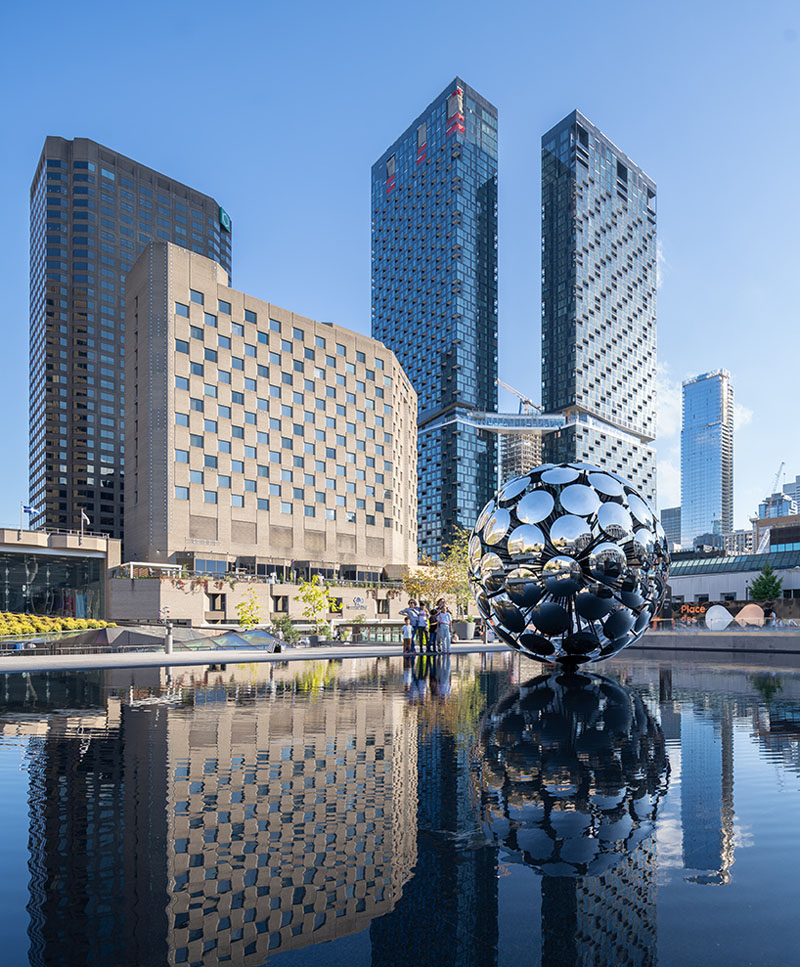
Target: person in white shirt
(408, 637)
(444, 620)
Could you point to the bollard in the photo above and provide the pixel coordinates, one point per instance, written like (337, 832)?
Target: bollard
(168, 639)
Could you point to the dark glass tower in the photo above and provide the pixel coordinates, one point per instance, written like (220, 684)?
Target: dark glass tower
(92, 212)
(598, 302)
(434, 296)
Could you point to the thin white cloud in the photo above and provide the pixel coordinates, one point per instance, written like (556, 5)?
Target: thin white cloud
(668, 403)
(662, 266)
(742, 416)
(669, 484)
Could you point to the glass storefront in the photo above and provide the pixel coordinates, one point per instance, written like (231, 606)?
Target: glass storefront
(52, 584)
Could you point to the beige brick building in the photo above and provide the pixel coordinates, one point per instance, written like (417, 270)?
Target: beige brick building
(258, 438)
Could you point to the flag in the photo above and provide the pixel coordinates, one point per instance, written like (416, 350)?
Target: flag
(29, 509)
(84, 518)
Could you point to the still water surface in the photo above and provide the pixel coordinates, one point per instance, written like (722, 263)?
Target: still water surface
(466, 811)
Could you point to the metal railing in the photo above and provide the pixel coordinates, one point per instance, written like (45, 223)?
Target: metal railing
(228, 577)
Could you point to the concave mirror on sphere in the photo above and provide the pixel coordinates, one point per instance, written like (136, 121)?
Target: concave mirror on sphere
(572, 769)
(568, 563)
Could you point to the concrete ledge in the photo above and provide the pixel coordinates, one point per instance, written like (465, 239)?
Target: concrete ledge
(757, 642)
(24, 663)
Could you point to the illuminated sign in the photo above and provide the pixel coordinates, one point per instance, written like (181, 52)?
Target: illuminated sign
(224, 220)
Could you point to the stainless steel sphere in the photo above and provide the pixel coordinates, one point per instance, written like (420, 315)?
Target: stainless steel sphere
(568, 563)
(572, 771)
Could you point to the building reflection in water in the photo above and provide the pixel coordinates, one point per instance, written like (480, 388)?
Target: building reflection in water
(209, 818)
(217, 823)
(573, 769)
(448, 914)
(229, 816)
(704, 729)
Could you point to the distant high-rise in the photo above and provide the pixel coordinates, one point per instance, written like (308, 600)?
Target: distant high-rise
(671, 522)
(598, 302)
(519, 452)
(434, 296)
(777, 505)
(707, 457)
(92, 211)
(792, 490)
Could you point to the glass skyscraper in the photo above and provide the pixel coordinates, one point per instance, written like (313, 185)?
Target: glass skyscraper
(598, 302)
(92, 212)
(707, 458)
(434, 297)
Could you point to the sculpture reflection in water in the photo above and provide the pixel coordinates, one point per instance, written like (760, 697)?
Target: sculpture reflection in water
(573, 768)
(572, 771)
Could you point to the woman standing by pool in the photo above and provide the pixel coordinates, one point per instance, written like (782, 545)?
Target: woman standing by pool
(444, 620)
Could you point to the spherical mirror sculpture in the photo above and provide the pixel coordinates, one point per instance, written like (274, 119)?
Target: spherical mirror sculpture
(572, 770)
(568, 563)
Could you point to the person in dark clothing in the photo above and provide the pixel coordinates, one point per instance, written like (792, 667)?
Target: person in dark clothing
(433, 627)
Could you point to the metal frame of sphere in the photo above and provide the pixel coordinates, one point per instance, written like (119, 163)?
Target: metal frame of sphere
(568, 563)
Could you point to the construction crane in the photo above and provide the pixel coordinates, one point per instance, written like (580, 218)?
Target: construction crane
(774, 490)
(763, 544)
(526, 406)
(777, 479)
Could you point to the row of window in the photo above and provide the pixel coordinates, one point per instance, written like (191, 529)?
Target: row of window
(286, 507)
(223, 307)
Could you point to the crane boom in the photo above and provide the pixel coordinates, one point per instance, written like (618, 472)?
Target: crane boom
(523, 400)
(777, 478)
(774, 491)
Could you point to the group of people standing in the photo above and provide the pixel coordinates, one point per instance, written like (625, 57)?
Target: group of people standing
(426, 629)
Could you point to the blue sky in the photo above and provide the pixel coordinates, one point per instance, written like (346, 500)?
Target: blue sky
(278, 110)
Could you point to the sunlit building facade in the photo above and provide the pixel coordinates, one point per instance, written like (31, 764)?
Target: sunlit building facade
(707, 458)
(259, 435)
(598, 302)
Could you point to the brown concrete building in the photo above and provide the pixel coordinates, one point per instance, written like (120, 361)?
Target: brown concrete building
(782, 533)
(258, 439)
(213, 599)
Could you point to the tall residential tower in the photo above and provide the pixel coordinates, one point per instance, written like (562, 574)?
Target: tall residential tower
(434, 296)
(598, 302)
(92, 211)
(707, 458)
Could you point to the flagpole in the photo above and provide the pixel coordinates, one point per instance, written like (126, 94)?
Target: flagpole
(21, 512)
(81, 540)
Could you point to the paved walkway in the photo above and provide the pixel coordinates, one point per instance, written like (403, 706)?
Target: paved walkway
(23, 662)
(741, 643)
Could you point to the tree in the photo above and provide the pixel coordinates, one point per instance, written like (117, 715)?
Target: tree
(284, 624)
(425, 583)
(316, 597)
(446, 578)
(455, 567)
(767, 586)
(249, 611)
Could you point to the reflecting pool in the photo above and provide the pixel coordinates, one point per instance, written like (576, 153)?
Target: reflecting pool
(465, 810)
